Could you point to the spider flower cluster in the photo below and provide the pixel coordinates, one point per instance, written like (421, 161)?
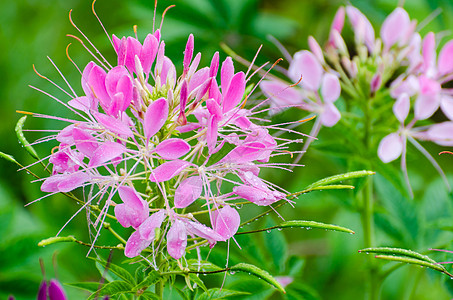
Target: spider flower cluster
(151, 143)
(399, 63)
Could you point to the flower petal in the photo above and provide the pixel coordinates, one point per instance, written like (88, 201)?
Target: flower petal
(446, 103)
(445, 62)
(114, 125)
(390, 147)
(399, 18)
(105, 152)
(226, 73)
(188, 191)
(401, 107)
(56, 291)
(168, 170)
(147, 228)
(172, 148)
(177, 239)
(235, 92)
(330, 88)
(155, 117)
(226, 222)
(428, 100)
(441, 133)
(330, 115)
(280, 93)
(306, 65)
(135, 245)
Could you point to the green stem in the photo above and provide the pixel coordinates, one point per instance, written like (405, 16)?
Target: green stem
(159, 287)
(367, 211)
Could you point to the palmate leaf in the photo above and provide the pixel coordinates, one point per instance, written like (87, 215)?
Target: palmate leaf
(406, 256)
(261, 274)
(220, 294)
(302, 224)
(118, 271)
(112, 289)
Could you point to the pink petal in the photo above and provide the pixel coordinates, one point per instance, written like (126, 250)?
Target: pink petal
(446, 103)
(401, 107)
(188, 191)
(214, 68)
(147, 228)
(330, 88)
(376, 82)
(96, 81)
(428, 100)
(135, 245)
(177, 239)
(212, 133)
(227, 221)
(133, 48)
(445, 63)
(84, 141)
(203, 231)
(194, 65)
(390, 147)
(148, 52)
(441, 133)
(134, 211)
(316, 49)
(172, 148)
(399, 19)
(114, 125)
(226, 73)
(338, 20)
(306, 65)
(105, 152)
(214, 92)
(235, 92)
(155, 117)
(56, 291)
(246, 153)
(168, 74)
(168, 170)
(81, 103)
(429, 54)
(330, 115)
(280, 93)
(255, 195)
(362, 27)
(72, 181)
(188, 54)
(198, 79)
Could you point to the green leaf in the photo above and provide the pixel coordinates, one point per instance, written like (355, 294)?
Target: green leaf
(414, 261)
(117, 270)
(399, 252)
(340, 177)
(220, 294)
(277, 247)
(302, 224)
(56, 239)
(8, 157)
(88, 286)
(149, 296)
(194, 278)
(255, 271)
(112, 289)
(22, 139)
(204, 265)
(152, 278)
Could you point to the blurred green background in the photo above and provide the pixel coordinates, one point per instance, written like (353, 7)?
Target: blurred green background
(328, 266)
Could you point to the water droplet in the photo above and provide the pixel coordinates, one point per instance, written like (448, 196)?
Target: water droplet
(232, 272)
(268, 231)
(279, 229)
